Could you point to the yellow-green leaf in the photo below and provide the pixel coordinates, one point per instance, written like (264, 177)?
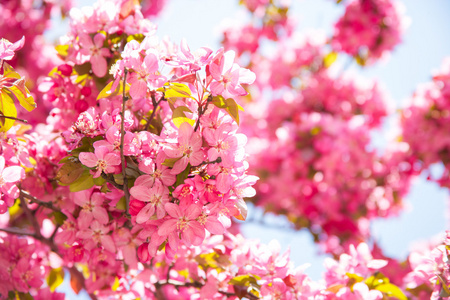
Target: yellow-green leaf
(219, 101)
(244, 280)
(170, 162)
(391, 290)
(69, 172)
(329, 59)
(121, 204)
(25, 99)
(116, 284)
(177, 90)
(7, 108)
(232, 109)
(9, 71)
(179, 116)
(106, 92)
(84, 182)
(55, 278)
(62, 50)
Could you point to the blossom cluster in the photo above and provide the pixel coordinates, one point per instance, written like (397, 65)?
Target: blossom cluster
(425, 123)
(368, 29)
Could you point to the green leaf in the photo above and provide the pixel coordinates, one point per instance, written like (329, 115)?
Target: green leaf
(212, 260)
(229, 105)
(183, 175)
(84, 182)
(169, 162)
(391, 290)
(22, 94)
(176, 90)
(377, 279)
(232, 109)
(99, 181)
(353, 278)
(55, 278)
(7, 108)
(243, 280)
(63, 50)
(121, 204)
(59, 217)
(179, 116)
(107, 93)
(219, 101)
(69, 172)
(329, 59)
(9, 71)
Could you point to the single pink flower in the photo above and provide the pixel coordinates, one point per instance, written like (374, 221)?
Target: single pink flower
(192, 233)
(188, 149)
(96, 52)
(102, 159)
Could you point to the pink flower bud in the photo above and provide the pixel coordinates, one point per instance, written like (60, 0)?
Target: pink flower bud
(135, 207)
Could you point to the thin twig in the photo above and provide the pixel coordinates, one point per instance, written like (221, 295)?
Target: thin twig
(32, 199)
(201, 111)
(155, 106)
(111, 180)
(31, 218)
(17, 231)
(13, 118)
(122, 139)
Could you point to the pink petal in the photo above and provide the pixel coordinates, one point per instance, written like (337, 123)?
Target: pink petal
(88, 159)
(141, 193)
(13, 174)
(180, 165)
(108, 243)
(173, 210)
(145, 213)
(101, 215)
(138, 89)
(112, 159)
(99, 65)
(167, 227)
(98, 40)
(214, 226)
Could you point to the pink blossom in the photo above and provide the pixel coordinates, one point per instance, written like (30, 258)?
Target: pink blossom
(156, 196)
(91, 208)
(188, 149)
(102, 159)
(7, 48)
(228, 76)
(96, 53)
(192, 233)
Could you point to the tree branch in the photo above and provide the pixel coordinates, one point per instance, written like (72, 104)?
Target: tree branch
(155, 106)
(13, 118)
(201, 111)
(122, 139)
(32, 199)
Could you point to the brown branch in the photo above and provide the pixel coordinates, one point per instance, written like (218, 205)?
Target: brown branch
(110, 179)
(32, 199)
(13, 118)
(122, 139)
(155, 106)
(17, 231)
(195, 284)
(201, 111)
